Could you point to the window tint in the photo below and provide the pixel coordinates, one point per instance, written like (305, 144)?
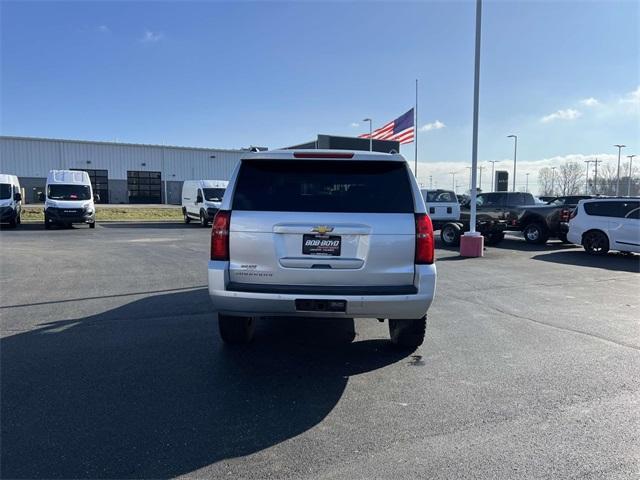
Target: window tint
(213, 194)
(323, 186)
(5, 191)
(436, 196)
(635, 213)
(619, 209)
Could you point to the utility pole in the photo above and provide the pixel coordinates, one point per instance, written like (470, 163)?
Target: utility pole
(630, 157)
(526, 188)
(480, 179)
(595, 176)
(469, 168)
(453, 180)
(553, 181)
(620, 147)
(493, 178)
(370, 133)
(586, 182)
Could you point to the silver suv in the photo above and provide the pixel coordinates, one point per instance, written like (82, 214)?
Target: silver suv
(322, 234)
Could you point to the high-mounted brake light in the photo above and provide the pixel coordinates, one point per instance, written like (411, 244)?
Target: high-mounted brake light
(321, 155)
(425, 248)
(220, 235)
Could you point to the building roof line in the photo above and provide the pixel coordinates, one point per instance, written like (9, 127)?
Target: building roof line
(124, 144)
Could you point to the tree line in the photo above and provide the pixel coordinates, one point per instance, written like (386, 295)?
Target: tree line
(571, 179)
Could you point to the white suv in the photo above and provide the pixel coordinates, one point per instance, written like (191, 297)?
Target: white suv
(322, 234)
(603, 224)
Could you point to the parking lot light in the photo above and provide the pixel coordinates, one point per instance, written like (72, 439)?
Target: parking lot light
(515, 155)
(620, 147)
(630, 157)
(370, 133)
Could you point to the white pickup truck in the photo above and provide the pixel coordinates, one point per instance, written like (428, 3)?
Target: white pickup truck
(442, 206)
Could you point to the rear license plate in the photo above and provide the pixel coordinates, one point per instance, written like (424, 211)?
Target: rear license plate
(305, 305)
(321, 245)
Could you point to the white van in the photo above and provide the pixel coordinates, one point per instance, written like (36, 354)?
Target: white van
(603, 224)
(10, 199)
(201, 199)
(68, 199)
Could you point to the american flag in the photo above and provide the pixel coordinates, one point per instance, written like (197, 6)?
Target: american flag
(401, 129)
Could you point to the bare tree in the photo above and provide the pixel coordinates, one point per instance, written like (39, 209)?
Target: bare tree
(545, 181)
(570, 178)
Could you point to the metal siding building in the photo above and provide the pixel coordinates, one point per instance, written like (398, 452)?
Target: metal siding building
(121, 169)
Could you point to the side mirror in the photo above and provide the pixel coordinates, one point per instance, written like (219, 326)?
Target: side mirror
(17, 196)
(96, 197)
(41, 197)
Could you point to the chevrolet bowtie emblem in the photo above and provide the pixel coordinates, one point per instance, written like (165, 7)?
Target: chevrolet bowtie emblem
(322, 229)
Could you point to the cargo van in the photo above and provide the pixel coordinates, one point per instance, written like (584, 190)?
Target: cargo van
(442, 206)
(201, 199)
(10, 199)
(68, 199)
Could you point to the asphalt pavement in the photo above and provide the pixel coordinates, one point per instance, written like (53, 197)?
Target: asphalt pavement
(111, 367)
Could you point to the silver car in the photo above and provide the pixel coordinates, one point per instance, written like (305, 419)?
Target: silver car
(322, 234)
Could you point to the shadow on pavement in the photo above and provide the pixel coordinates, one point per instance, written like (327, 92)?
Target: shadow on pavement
(169, 225)
(511, 243)
(612, 261)
(147, 390)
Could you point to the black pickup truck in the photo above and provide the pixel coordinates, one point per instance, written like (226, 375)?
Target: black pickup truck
(520, 212)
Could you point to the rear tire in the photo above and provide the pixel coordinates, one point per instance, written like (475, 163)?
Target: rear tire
(563, 238)
(47, 222)
(203, 220)
(187, 219)
(535, 233)
(92, 225)
(595, 242)
(236, 330)
(407, 333)
(450, 234)
(13, 223)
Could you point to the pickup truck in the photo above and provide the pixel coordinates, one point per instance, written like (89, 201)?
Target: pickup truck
(521, 213)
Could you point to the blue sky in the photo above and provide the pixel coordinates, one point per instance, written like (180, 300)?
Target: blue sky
(564, 76)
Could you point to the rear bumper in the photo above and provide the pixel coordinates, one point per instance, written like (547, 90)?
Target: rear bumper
(272, 300)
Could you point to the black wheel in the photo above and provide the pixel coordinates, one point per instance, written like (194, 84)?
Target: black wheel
(18, 219)
(407, 333)
(236, 330)
(494, 238)
(595, 242)
(450, 234)
(47, 222)
(13, 223)
(203, 220)
(187, 219)
(92, 224)
(535, 233)
(563, 238)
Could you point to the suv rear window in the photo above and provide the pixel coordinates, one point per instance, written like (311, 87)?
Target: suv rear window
(323, 186)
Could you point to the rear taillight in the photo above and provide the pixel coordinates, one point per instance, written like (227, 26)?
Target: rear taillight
(564, 215)
(220, 235)
(425, 253)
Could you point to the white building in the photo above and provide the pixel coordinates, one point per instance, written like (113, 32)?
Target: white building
(119, 172)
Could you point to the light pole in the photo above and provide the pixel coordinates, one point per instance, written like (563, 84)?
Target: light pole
(526, 188)
(453, 180)
(630, 157)
(515, 155)
(480, 179)
(553, 181)
(595, 176)
(469, 168)
(586, 182)
(493, 178)
(370, 133)
(620, 147)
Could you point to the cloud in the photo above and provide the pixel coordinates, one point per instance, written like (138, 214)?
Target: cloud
(151, 37)
(589, 102)
(354, 124)
(567, 114)
(437, 125)
(103, 29)
(632, 97)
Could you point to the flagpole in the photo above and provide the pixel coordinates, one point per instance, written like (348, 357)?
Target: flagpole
(415, 136)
